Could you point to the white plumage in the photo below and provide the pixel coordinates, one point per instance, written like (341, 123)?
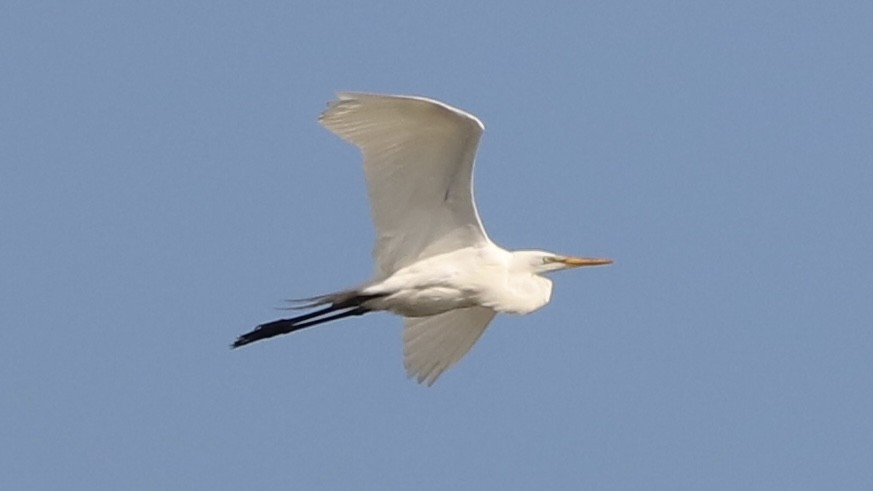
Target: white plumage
(435, 265)
(418, 161)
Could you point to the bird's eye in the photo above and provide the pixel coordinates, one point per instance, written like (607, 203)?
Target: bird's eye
(547, 259)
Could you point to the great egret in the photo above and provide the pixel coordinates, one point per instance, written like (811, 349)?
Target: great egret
(435, 265)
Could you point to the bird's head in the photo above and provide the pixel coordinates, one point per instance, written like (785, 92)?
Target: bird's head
(545, 262)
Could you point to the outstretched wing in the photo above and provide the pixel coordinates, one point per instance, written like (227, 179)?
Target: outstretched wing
(433, 344)
(418, 160)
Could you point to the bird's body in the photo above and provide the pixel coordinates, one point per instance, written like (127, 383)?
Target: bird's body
(459, 279)
(435, 265)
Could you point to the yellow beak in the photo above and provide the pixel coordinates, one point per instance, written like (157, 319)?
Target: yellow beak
(585, 261)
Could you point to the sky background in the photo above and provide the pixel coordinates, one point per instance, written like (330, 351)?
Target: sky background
(164, 186)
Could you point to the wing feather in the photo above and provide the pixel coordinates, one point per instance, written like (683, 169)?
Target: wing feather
(418, 160)
(433, 344)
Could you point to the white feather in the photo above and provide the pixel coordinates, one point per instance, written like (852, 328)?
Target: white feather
(433, 344)
(418, 161)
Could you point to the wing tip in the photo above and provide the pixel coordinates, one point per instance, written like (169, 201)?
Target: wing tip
(345, 97)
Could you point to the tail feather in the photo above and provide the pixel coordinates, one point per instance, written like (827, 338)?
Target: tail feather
(343, 304)
(345, 297)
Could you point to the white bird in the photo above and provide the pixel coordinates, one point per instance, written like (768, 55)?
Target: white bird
(435, 265)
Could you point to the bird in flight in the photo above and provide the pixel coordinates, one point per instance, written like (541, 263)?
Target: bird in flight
(435, 265)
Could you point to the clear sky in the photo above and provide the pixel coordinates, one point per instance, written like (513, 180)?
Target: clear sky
(164, 186)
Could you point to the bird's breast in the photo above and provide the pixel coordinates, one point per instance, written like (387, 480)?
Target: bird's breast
(519, 294)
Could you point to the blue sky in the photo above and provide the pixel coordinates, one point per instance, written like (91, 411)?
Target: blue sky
(164, 186)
